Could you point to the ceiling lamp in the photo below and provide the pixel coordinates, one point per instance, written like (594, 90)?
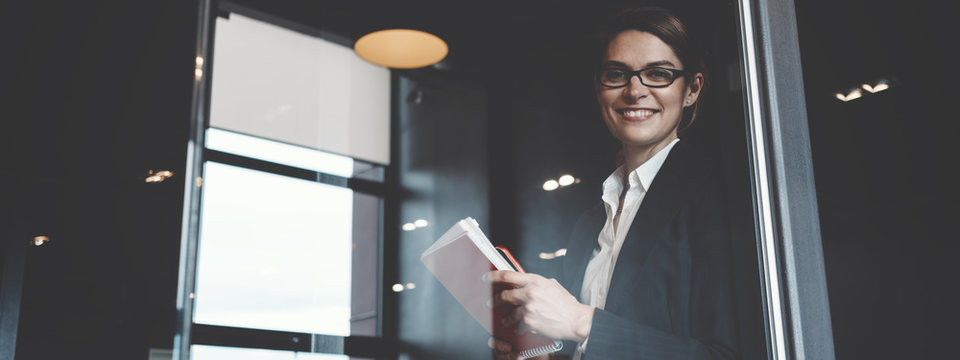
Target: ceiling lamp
(401, 48)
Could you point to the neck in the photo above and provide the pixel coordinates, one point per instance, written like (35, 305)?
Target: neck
(636, 155)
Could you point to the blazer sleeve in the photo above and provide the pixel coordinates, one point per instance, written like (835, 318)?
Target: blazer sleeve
(708, 329)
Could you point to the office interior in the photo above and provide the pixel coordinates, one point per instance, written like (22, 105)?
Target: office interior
(100, 97)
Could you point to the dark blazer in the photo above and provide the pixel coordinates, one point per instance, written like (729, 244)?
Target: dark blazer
(671, 295)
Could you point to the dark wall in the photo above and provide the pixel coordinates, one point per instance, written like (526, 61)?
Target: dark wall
(94, 94)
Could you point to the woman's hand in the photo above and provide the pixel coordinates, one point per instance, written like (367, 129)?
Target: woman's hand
(502, 350)
(542, 306)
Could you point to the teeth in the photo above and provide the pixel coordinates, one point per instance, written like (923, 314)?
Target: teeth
(637, 113)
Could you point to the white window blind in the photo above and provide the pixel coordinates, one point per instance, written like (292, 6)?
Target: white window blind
(279, 84)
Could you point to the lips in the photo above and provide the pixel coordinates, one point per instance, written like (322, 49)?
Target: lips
(637, 114)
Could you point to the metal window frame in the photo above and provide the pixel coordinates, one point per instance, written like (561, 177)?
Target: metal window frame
(789, 246)
(189, 333)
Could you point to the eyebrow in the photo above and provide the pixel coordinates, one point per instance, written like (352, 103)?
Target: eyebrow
(613, 63)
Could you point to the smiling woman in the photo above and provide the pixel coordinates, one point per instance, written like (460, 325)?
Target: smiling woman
(673, 296)
(644, 108)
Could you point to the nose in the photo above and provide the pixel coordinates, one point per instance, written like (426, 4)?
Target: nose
(635, 88)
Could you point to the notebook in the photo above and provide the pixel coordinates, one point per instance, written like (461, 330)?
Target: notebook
(458, 259)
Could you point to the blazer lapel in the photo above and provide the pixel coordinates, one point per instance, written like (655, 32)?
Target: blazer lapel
(659, 206)
(580, 248)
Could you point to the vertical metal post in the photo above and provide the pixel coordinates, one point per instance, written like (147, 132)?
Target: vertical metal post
(11, 289)
(790, 250)
(193, 180)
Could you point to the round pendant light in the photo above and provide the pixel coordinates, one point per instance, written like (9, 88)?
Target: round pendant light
(401, 48)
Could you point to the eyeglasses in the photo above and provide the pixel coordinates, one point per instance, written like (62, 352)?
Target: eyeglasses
(655, 77)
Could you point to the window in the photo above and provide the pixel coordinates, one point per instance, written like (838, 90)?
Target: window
(290, 218)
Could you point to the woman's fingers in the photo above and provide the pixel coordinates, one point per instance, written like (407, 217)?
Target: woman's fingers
(510, 297)
(510, 278)
(502, 350)
(499, 345)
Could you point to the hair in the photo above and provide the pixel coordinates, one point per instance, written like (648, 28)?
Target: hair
(671, 30)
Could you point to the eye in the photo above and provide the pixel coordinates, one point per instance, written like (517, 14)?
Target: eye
(613, 75)
(658, 74)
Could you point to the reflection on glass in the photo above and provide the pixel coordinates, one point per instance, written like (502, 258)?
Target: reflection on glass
(273, 252)
(278, 152)
(205, 352)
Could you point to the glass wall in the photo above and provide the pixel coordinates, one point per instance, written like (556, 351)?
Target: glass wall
(517, 129)
(879, 92)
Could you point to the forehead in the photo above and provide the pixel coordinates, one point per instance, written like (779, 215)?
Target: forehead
(638, 48)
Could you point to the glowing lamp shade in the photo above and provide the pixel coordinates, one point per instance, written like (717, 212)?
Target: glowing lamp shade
(401, 48)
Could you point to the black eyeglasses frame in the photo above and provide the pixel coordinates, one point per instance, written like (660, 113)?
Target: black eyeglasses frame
(677, 73)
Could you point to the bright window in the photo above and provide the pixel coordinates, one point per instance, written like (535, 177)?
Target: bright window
(275, 252)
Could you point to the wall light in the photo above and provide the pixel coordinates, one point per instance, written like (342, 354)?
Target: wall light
(411, 286)
(870, 88)
(551, 185)
(852, 95)
(401, 48)
(409, 227)
(159, 176)
(553, 255)
(564, 180)
(198, 72)
(875, 88)
(40, 240)
(397, 287)
(420, 223)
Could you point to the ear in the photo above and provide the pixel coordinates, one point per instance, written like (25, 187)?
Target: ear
(692, 93)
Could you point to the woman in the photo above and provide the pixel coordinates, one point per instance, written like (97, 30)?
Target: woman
(655, 283)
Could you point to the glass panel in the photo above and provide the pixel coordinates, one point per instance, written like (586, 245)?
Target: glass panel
(273, 252)
(205, 352)
(365, 307)
(881, 97)
(490, 133)
(534, 119)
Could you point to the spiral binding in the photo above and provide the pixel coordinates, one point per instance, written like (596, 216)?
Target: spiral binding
(543, 350)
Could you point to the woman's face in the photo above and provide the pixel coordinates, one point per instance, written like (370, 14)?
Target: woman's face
(641, 116)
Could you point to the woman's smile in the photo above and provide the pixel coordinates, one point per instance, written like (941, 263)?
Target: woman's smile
(634, 114)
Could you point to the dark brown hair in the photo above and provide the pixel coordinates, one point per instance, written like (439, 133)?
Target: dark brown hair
(671, 30)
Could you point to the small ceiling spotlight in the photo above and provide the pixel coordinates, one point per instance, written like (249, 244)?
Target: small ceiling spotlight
(159, 176)
(566, 180)
(551, 185)
(40, 240)
(409, 227)
(397, 287)
(553, 255)
(411, 286)
(420, 223)
(852, 95)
